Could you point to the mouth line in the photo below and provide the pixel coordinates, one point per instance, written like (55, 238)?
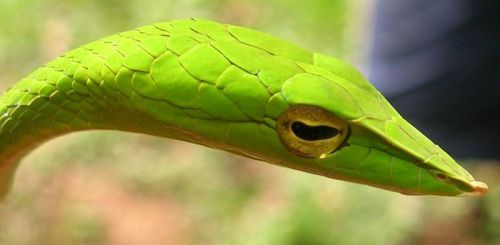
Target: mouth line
(465, 185)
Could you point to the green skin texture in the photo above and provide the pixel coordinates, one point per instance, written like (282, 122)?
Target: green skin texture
(224, 87)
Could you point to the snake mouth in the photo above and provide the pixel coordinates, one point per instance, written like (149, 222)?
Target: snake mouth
(478, 189)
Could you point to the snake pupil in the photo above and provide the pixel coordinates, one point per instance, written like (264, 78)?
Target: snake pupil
(312, 133)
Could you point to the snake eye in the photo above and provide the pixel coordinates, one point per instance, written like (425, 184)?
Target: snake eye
(442, 177)
(311, 132)
(439, 175)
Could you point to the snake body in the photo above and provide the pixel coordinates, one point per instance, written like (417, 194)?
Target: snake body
(234, 89)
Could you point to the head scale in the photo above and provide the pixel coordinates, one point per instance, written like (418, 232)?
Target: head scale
(340, 126)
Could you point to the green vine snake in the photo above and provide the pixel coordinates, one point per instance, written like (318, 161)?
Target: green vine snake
(234, 89)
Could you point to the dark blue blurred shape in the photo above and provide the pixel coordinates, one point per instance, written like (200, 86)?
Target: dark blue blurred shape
(438, 62)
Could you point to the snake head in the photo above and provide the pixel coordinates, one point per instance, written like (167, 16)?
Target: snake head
(347, 130)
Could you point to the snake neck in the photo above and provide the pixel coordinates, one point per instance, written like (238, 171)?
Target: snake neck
(53, 101)
(35, 110)
(65, 96)
(131, 82)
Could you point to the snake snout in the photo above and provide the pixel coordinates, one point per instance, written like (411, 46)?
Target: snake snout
(478, 188)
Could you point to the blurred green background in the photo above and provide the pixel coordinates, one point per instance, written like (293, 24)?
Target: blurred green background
(122, 188)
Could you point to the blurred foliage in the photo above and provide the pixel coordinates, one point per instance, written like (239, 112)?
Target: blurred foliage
(120, 188)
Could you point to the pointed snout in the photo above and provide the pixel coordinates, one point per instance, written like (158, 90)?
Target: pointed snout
(478, 189)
